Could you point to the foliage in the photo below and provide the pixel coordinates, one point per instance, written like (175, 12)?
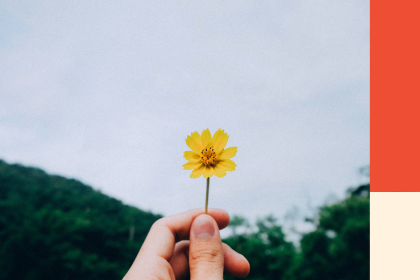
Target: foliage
(266, 249)
(337, 249)
(57, 228)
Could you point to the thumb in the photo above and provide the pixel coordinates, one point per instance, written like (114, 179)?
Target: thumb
(206, 254)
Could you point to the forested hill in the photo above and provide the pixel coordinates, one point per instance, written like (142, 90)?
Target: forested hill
(52, 227)
(57, 228)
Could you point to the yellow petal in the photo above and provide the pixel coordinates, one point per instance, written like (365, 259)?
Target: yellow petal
(191, 156)
(216, 136)
(208, 171)
(226, 164)
(220, 139)
(191, 165)
(228, 153)
(194, 142)
(219, 171)
(206, 138)
(197, 172)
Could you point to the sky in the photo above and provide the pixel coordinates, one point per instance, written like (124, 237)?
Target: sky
(107, 91)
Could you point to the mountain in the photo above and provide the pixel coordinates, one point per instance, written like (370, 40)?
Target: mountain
(52, 227)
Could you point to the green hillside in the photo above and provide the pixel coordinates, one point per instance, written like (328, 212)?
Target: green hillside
(57, 228)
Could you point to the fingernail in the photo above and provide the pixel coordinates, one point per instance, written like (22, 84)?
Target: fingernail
(203, 226)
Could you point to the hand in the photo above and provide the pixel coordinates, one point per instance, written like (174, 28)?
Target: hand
(166, 254)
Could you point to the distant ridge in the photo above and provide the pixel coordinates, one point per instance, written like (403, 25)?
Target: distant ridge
(52, 227)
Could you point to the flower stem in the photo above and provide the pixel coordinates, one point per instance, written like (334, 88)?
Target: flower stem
(207, 195)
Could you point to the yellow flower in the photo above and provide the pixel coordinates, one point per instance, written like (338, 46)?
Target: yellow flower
(208, 155)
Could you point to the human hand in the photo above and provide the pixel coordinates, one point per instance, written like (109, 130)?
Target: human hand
(166, 254)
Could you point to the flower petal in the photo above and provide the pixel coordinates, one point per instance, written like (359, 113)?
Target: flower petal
(219, 171)
(206, 138)
(191, 156)
(192, 165)
(227, 164)
(194, 142)
(228, 153)
(208, 171)
(197, 172)
(220, 139)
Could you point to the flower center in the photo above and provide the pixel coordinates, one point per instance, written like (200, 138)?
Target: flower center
(208, 156)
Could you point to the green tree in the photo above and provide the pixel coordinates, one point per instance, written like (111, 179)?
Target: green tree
(57, 228)
(339, 247)
(269, 254)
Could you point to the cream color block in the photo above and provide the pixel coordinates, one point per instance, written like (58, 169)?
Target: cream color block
(395, 235)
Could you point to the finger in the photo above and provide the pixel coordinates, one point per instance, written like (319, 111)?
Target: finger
(167, 231)
(160, 241)
(206, 253)
(179, 260)
(235, 264)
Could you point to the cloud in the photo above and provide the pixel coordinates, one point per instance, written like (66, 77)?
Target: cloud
(107, 93)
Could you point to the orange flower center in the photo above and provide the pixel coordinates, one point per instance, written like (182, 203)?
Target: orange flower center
(208, 156)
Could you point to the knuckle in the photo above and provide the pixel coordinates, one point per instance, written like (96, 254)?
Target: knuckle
(159, 224)
(156, 275)
(205, 254)
(155, 270)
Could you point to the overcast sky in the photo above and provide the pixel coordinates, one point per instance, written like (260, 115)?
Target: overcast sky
(107, 91)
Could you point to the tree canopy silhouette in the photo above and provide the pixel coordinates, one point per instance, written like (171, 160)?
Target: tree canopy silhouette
(52, 227)
(57, 228)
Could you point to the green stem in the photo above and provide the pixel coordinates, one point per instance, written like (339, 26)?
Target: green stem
(207, 195)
